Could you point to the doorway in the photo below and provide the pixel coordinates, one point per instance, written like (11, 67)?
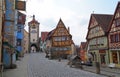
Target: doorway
(33, 48)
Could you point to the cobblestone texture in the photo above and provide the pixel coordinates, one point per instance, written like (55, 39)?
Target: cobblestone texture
(36, 65)
(39, 66)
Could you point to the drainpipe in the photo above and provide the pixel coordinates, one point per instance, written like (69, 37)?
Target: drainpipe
(3, 20)
(2, 36)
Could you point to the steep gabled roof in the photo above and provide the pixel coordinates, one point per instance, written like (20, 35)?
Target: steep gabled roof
(60, 22)
(104, 20)
(118, 5)
(61, 25)
(44, 35)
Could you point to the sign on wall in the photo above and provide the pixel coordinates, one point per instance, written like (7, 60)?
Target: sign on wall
(20, 5)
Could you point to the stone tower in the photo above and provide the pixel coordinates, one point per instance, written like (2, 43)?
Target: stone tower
(33, 35)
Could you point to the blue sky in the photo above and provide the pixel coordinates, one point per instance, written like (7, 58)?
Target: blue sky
(74, 13)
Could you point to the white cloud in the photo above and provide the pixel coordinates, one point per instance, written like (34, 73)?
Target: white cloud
(78, 29)
(74, 13)
(45, 10)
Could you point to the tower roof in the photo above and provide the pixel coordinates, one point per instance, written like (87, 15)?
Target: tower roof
(33, 21)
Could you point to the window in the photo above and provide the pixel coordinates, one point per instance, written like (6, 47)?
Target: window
(116, 37)
(19, 19)
(61, 30)
(61, 48)
(57, 38)
(102, 56)
(18, 42)
(33, 31)
(33, 39)
(96, 29)
(33, 27)
(65, 49)
(63, 38)
(67, 38)
(112, 38)
(93, 22)
(56, 49)
(117, 22)
(19, 28)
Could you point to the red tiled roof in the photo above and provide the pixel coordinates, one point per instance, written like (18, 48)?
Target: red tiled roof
(44, 35)
(83, 44)
(50, 34)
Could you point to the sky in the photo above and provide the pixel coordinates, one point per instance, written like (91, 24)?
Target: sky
(75, 14)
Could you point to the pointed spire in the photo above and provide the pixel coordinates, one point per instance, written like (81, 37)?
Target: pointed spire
(33, 20)
(33, 17)
(60, 20)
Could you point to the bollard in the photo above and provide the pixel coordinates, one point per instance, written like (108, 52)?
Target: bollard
(59, 59)
(97, 67)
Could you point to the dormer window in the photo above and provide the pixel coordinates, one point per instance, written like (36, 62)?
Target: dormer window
(117, 22)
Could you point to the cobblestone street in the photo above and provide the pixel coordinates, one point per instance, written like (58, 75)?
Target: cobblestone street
(39, 66)
(36, 65)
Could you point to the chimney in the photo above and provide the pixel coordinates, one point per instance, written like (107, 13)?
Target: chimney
(68, 29)
(33, 17)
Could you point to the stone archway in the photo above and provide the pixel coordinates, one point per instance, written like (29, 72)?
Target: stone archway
(33, 48)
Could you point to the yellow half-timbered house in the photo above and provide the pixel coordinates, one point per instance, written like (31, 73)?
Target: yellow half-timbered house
(59, 41)
(97, 38)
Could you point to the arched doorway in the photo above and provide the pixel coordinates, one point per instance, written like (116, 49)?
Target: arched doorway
(33, 48)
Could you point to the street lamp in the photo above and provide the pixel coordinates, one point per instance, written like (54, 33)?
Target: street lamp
(97, 62)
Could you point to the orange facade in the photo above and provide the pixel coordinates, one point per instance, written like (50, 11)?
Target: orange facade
(83, 51)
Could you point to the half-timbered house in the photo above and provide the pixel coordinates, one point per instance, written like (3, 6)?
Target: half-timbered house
(43, 42)
(97, 37)
(82, 52)
(114, 37)
(59, 41)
